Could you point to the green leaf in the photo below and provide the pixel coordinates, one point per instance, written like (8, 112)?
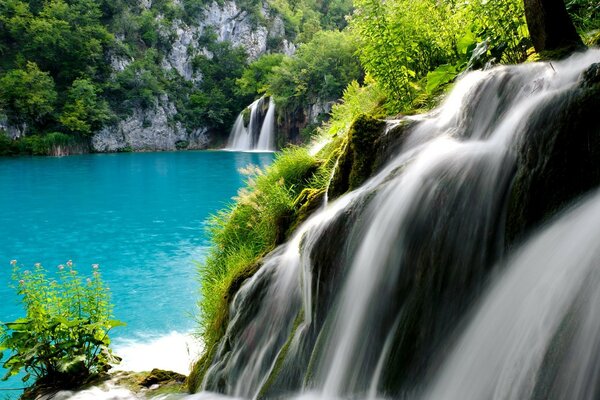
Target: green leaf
(65, 365)
(440, 76)
(113, 323)
(466, 43)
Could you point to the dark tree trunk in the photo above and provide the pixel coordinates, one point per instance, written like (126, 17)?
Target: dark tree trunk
(550, 26)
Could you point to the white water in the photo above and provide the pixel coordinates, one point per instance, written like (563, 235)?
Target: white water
(481, 163)
(556, 274)
(239, 138)
(172, 352)
(266, 140)
(258, 135)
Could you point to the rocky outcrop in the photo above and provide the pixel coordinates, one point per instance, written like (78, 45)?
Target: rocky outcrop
(231, 23)
(12, 131)
(554, 169)
(155, 129)
(149, 130)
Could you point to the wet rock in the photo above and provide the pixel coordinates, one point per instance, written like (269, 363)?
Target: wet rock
(591, 76)
(161, 377)
(356, 162)
(556, 168)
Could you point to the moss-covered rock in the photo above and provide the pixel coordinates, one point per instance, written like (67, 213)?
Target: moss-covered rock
(356, 161)
(307, 202)
(246, 116)
(219, 325)
(160, 376)
(553, 169)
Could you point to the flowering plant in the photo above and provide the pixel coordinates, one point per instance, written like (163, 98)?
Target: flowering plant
(63, 339)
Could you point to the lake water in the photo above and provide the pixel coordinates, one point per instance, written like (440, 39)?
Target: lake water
(141, 216)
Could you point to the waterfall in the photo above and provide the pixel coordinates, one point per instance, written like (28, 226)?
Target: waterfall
(407, 251)
(239, 137)
(266, 139)
(259, 134)
(362, 300)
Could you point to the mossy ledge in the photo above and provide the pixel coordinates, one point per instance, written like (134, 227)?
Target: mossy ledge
(269, 210)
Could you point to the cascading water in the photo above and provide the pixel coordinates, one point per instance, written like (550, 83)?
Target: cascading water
(430, 223)
(360, 302)
(266, 139)
(536, 334)
(259, 134)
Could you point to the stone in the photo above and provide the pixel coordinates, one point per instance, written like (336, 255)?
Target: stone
(159, 377)
(149, 130)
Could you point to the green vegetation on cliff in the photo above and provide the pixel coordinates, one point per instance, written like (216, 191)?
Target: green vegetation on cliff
(75, 66)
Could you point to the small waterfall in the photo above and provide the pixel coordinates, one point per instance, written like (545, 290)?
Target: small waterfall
(260, 132)
(266, 139)
(239, 137)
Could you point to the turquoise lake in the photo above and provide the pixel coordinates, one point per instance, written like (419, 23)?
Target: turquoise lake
(140, 216)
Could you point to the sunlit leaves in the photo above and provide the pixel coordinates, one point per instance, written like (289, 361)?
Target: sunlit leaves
(64, 335)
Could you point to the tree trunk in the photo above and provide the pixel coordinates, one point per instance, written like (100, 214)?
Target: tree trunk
(550, 26)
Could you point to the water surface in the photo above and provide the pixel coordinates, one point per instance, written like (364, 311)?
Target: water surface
(141, 216)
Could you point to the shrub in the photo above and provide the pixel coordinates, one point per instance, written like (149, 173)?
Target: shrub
(319, 71)
(63, 339)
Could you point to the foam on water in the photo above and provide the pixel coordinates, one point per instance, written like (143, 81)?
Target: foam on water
(175, 351)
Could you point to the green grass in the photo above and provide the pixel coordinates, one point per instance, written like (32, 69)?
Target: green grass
(37, 145)
(248, 229)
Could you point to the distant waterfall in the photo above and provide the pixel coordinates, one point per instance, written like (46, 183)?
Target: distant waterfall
(266, 139)
(259, 133)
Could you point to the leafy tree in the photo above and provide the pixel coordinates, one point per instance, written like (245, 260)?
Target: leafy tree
(334, 13)
(84, 111)
(217, 102)
(256, 76)
(401, 40)
(67, 39)
(27, 95)
(320, 70)
(139, 84)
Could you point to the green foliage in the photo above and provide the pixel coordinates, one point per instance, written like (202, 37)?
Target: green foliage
(35, 145)
(304, 18)
(27, 95)
(357, 100)
(65, 38)
(217, 100)
(320, 70)
(84, 111)
(402, 41)
(501, 23)
(63, 338)
(140, 83)
(256, 76)
(585, 14)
